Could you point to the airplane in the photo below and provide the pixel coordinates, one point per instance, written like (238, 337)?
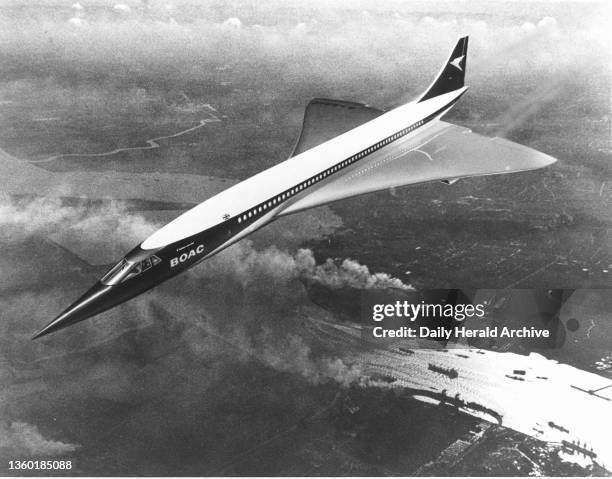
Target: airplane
(345, 149)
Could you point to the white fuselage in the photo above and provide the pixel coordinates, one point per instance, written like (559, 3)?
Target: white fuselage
(322, 162)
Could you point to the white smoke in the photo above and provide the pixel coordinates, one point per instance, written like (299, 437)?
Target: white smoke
(109, 226)
(348, 273)
(249, 266)
(295, 356)
(265, 320)
(43, 216)
(24, 439)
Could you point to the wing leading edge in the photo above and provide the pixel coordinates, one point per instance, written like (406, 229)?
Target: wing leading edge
(445, 152)
(325, 119)
(20, 177)
(176, 192)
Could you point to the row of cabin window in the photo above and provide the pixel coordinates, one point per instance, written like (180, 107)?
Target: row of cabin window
(319, 177)
(280, 197)
(397, 135)
(290, 192)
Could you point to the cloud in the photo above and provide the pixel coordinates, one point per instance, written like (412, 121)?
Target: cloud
(122, 8)
(327, 49)
(77, 21)
(233, 23)
(547, 22)
(43, 216)
(23, 439)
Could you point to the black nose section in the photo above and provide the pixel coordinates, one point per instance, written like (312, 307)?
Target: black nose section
(97, 299)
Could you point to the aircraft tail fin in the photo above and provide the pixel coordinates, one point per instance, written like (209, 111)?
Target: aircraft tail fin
(452, 75)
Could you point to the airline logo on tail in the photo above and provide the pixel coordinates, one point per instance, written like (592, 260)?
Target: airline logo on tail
(457, 62)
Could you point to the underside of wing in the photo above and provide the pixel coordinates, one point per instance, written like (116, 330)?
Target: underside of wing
(325, 119)
(444, 152)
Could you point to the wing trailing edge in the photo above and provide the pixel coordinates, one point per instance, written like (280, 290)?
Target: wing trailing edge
(445, 152)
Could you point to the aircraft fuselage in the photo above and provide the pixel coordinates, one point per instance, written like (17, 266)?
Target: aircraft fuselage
(345, 149)
(188, 239)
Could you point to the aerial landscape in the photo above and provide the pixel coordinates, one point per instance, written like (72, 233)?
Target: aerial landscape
(259, 361)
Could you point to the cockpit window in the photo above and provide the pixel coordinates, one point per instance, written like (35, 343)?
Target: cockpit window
(117, 272)
(135, 270)
(146, 264)
(125, 270)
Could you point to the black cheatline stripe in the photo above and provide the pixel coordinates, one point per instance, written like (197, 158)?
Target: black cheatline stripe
(251, 213)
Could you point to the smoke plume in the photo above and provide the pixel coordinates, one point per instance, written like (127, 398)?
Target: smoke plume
(25, 440)
(20, 219)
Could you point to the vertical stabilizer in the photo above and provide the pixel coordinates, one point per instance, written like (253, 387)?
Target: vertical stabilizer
(452, 75)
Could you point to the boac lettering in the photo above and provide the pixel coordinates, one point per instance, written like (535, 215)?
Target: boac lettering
(187, 255)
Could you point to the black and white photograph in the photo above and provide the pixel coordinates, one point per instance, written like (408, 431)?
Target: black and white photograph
(305, 238)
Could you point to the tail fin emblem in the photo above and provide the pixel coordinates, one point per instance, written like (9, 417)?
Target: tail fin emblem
(457, 62)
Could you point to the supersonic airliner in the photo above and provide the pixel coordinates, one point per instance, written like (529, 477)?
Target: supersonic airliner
(344, 149)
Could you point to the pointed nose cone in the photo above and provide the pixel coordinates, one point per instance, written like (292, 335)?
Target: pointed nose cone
(94, 301)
